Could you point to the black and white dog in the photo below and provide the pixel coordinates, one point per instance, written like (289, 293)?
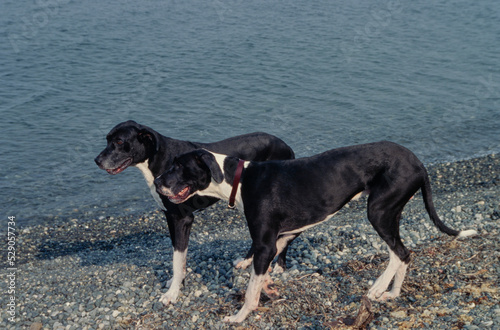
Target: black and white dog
(132, 144)
(281, 199)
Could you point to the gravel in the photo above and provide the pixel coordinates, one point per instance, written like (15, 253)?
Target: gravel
(108, 273)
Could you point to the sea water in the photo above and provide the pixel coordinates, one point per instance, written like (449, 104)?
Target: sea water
(318, 74)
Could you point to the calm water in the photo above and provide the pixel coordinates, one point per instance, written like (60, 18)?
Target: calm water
(319, 74)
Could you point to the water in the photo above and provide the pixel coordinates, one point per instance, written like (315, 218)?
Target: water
(319, 74)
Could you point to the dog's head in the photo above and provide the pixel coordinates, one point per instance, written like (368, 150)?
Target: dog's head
(129, 143)
(190, 173)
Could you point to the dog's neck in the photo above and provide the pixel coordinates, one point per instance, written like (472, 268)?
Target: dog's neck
(223, 190)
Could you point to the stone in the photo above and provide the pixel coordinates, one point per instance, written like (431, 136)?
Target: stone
(398, 314)
(36, 326)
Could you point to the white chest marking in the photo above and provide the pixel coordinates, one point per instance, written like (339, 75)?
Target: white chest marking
(148, 176)
(223, 190)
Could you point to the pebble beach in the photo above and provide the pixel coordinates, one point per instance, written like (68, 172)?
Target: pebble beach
(109, 272)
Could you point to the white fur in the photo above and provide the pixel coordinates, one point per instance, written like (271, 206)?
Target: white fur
(179, 264)
(359, 195)
(251, 297)
(223, 190)
(148, 176)
(281, 243)
(301, 229)
(396, 268)
(242, 263)
(467, 233)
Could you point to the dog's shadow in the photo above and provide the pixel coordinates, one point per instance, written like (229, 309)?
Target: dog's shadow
(150, 250)
(122, 249)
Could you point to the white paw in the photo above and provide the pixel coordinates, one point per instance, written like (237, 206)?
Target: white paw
(374, 294)
(386, 296)
(233, 319)
(380, 296)
(240, 316)
(278, 269)
(242, 263)
(169, 297)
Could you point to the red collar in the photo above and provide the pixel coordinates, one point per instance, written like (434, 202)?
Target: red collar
(236, 181)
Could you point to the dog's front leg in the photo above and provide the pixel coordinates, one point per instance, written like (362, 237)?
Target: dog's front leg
(251, 298)
(179, 265)
(179, 234)
(263, 255)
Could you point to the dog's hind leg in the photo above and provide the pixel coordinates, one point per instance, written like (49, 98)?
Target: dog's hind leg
(396, 285)
(282, 245)
(396, 269)
(385, 217)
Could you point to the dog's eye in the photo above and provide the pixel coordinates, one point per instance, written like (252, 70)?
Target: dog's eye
(119, 142)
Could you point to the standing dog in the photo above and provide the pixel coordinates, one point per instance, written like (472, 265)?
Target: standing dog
(281, 199)
(132, 144)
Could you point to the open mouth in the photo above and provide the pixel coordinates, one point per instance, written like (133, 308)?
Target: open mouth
(181, 196)
(120, 168)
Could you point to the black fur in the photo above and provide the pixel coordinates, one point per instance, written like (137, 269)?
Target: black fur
(282, 197)
(130, 143)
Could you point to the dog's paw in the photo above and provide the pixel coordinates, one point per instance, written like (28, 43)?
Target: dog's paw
(388, 295)
(374, 294)
(270, 289)
(278, 269)
(242, 263)
(240, 316)
(384, 296)
(169, 297)
(234, 319)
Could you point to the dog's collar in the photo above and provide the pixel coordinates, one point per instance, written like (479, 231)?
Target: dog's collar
(236, 181)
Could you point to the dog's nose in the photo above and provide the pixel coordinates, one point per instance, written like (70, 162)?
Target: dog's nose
(159, 186)
(97, 160)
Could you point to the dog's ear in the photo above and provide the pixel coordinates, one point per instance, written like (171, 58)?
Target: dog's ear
(147, 135)
(211, 163)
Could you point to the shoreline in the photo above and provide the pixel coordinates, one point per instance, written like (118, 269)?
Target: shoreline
(109, 272)
(143, 204)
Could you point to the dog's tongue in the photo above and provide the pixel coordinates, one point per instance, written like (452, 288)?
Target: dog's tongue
(120, 168)
(180, 195)
(115, 171)
(182, 192)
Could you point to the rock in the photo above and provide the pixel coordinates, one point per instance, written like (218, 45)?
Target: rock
(398, 314)
(58, 326)
(36, 326)
(487, 323)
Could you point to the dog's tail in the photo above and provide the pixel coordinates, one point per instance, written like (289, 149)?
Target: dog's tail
(429, 206)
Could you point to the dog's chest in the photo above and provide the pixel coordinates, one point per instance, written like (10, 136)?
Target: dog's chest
(148, 176)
